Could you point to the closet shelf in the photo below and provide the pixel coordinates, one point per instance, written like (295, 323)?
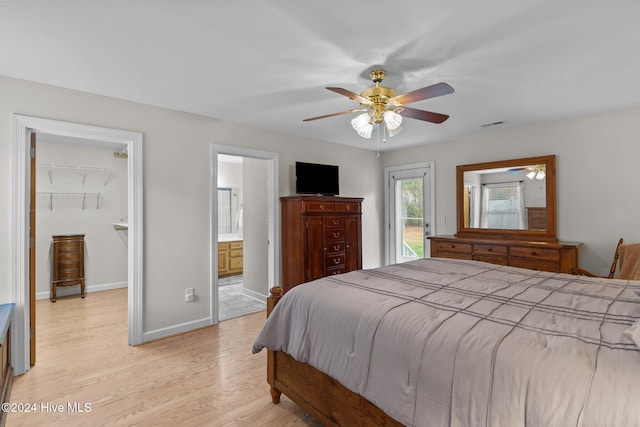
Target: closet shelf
(80, 169)
(60, 199)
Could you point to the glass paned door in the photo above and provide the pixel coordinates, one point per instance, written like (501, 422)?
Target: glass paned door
(410, 225)
(411, 218)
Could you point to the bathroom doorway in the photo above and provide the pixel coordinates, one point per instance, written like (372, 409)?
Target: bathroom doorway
(243, 194)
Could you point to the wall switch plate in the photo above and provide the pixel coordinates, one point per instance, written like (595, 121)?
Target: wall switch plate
(441, 219)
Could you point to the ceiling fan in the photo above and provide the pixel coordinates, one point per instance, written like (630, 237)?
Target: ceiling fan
(381, 105)
(533, 171)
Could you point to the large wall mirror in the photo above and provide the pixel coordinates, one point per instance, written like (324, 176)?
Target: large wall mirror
(508, 199)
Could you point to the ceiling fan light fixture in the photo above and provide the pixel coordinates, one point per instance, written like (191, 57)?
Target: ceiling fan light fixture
(394, 132)
(383, 106)
(362, 125)
(531, 174)
(540, 175)
(392, 120)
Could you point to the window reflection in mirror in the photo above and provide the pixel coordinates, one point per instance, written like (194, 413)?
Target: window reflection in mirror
(504, 198)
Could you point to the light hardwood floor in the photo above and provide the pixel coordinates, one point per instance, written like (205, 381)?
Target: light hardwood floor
(203, 378)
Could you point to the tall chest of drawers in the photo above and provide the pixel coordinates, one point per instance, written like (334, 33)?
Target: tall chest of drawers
(68, 263)
(321, 236)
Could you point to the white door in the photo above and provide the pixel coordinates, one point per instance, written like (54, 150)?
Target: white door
(409, 199)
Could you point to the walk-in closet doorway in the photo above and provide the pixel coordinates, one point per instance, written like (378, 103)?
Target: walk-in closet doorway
(23, 269)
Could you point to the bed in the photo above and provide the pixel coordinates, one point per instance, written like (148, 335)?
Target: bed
(444, 342)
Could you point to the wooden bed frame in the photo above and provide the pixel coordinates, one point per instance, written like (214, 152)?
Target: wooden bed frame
(320, 395)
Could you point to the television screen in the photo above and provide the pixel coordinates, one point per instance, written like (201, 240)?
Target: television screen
(312, 178)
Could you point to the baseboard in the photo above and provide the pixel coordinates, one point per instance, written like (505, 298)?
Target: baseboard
(255, 294)
(176, 329)
(75, 290)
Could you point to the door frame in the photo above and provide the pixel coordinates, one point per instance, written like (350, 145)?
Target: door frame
(273, 215)
(390, 204)
(23, 126)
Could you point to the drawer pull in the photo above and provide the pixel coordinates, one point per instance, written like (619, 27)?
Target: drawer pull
(321, 207)
(336, 222)
(490, 250)
(453, 246)
(348, 207)
(336, 247)
(533, 253)
(336, 234)
(336, 261)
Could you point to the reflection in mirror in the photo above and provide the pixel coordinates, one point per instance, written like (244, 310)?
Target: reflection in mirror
(229, 211)
(505, 198)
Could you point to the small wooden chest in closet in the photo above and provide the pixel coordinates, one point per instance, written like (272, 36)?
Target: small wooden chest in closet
(68, 263)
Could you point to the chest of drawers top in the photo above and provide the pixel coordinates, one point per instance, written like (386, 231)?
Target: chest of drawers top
(326, 204)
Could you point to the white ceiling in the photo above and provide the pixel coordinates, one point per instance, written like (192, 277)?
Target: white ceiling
(266, 63)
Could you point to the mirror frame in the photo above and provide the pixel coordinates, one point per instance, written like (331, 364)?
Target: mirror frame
(536, 235)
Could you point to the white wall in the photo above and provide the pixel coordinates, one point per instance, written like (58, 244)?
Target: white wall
(597, 186)
(105, 251)
(177, 189)
(256, 225)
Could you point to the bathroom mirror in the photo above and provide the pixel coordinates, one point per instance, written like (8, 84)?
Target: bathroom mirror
(507, 199)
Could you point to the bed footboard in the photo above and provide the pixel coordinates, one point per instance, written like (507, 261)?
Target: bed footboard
(317, 393)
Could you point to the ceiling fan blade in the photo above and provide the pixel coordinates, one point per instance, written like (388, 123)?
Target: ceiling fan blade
(427, 116)
(334, 114)
(351, 95)
(432, 91)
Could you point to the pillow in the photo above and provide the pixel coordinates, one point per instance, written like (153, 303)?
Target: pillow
(633, 333)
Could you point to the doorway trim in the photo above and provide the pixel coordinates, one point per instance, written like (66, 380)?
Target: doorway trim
(390, 204)
(23, 126)
(272, 214)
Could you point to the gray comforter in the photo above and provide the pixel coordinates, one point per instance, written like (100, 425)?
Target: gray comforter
(440, 342)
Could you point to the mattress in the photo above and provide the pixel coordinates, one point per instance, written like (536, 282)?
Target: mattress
(443, 342)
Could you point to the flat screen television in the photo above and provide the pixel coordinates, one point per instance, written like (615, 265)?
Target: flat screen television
(313, 178)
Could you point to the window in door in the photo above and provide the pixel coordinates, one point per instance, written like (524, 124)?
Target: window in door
(409, 213)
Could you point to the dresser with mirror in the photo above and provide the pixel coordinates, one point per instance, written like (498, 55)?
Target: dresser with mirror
(506, 214)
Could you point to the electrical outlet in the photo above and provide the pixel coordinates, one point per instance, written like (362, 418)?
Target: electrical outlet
(188, 295)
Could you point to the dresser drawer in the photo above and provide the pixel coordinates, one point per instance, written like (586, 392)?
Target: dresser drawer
(347, 207)
(334, 234)
(537, 223)
(484, 249)
(68, 246)
(334, 271)
(534, 253)
(334, 222)
(534, 264)
(236, 244)
(537, 213)
(335, 247)
(69, 256)
(454, 247)
(500, 260)
(320, 206)
(335, 260)
(235, 253)
(454, 255)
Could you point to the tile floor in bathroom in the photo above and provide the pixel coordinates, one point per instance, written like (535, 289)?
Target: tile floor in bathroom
(235, 301)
